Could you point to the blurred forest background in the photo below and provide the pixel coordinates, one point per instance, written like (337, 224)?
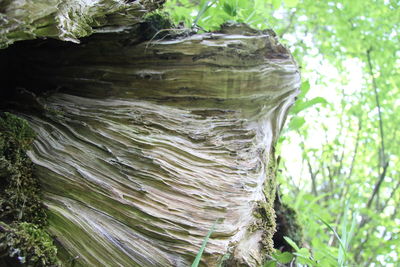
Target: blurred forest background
(339, 151)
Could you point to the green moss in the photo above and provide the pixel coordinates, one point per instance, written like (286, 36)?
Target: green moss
(29, 244)
(267, 224)
(156, 25)
(266, 208)
(19, 190)
(264, 212)
(16, 130)
(286, 223)
(22, 213)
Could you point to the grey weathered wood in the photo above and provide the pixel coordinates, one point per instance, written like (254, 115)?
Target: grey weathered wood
(146, 144)
(68, 20)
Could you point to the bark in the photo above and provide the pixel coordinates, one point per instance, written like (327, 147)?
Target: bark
(143, 145)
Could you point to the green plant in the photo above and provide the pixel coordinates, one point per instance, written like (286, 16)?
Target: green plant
(278, 258)
(196, 261)
(345, 238)
(20, 198)
(209, 15)
(326, 256)
(301, 256)
(156, 25)
(22, 213)
(16, 130)
(29, 244)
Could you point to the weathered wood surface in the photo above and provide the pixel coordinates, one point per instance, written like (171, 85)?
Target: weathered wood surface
(147, 144)
(68, 20)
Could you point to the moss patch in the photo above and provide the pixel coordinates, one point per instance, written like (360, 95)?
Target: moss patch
(267, 214)
(28, 244)
(22, 213)
(156, 25)
(19, 190)
(266, 209)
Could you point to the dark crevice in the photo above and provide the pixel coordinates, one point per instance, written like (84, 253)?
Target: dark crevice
(286, 225)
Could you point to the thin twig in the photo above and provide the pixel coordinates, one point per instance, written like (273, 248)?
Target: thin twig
(383, 162)
(150, 42)
(355, 149)
(391, 196)
(378, 184)
(287, 28)
(361, 246)
(375, 86)
(313, 178)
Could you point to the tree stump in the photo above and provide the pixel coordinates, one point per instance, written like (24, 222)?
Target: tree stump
(143, 145)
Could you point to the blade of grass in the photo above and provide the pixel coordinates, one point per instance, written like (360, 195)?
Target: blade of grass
(203, 246)
(344, 225)
(335, 233)
(351, 232)
(291, 243)
(203, 9)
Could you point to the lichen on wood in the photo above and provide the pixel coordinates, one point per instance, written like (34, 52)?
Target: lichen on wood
(144, 145)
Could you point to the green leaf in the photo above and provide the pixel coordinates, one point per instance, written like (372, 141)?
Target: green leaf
(305, 87)
(203, 246)
(276, 3)
(304, 253)
(284, 257)
(291, 243)
(342, 247)
(270, 263)
(296, 123)
(230, 10)
(303, 260)
(302, 105)
(291, 3)
(204, 6)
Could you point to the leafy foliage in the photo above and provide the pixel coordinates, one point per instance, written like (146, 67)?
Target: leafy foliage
(209, 15)
(19, 190)
(22, 213)
(16, 130)
(344, 126)
(29, 244)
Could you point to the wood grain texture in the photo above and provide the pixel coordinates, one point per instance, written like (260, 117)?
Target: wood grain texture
(68, 20)
(146, 145)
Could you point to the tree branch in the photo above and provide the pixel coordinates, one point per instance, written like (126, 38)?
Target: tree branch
(378, 184)
(383, 162)
(375, 86)
(313, 178)
(289, 25)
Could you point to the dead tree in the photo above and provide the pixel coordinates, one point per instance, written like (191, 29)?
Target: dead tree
(142, 145)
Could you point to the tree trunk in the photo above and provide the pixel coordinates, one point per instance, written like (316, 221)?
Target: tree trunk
(143, 145)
